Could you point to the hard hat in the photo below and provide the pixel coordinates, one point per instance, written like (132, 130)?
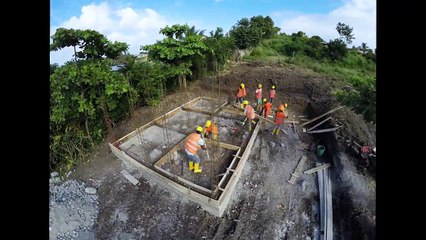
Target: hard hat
(281, 107)
(208, 123)
(285, 105)
(264, 100)
(273, 87)
(259, 85)
(199, 129)
(245, 102)
(242, 85)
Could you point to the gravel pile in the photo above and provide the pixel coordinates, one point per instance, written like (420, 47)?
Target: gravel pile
(73, 210)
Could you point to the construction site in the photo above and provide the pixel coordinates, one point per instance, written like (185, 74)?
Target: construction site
(310, 181)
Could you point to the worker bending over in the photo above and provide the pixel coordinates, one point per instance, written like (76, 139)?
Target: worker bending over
(210, 130)
(193, 143)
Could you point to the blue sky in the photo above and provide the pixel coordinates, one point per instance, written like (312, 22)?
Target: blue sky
(138, 22)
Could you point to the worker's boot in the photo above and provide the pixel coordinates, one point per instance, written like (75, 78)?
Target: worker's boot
(191, 165)
(273, 131)
(196, 169)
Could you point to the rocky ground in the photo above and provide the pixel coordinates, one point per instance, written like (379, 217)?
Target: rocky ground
(263, 205)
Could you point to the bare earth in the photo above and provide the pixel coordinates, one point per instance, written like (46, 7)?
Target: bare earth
(264, 205)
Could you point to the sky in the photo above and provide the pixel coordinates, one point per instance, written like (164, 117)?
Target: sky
(138, 22)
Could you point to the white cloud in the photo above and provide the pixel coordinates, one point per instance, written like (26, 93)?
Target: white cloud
(359, 14)
(125, 24)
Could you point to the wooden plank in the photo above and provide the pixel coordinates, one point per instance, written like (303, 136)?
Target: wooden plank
(323, 121)
(328, 228)
(152, 121)
(320, 116)
(129, 177)
(229, 169)
(219, 108)
(183, 180)
(296, 173)
(166, 157)
(225, 196)
(315, 169)
(325, 130)
(222, 144)
(197, 110)
(321, 201)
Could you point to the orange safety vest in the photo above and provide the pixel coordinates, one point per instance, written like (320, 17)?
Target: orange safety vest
(279, 117)
(212, 129)
(240, 92)
(249, 112)
(267, 107)
(258, 93)
(191, 144)
(272, 93)
(244, 92)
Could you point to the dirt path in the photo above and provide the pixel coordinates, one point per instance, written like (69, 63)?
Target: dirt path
(263, 205)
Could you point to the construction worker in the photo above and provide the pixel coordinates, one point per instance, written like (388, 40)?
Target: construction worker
(193, 143)
(249, 112)
(241, 93)
(258, 96)
(266, 109)
(279, 118)
(272, 93)
(210, 130)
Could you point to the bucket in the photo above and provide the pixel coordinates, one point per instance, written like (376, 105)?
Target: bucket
(320, 150)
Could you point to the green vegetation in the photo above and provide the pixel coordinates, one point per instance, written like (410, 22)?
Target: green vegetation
(355, 67)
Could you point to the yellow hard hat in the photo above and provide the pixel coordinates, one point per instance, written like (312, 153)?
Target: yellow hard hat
(264, 100)
(285, 105)
(273, 87)
(208, 123)
(242, 85)
(281, 107)
(199, 129)
(259, 85)
(245, 102)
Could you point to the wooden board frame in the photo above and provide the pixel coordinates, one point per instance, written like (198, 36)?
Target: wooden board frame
(156, 174)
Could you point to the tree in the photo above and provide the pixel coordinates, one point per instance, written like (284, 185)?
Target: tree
(248, 33)
(222, 48)
(53, 67)
(177, 50)
(364, 49)
(314, 47)
(94, 45)
(345, 32)
(336, 49)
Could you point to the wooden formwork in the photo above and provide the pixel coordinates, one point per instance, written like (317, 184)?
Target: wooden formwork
(183, 187)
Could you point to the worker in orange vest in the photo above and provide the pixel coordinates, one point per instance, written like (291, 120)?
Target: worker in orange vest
(272, 93)
(258, 96)
(249, 112)
(266, 109)
(193, 143)
(241, 93)
(210, 130)
(279, 118)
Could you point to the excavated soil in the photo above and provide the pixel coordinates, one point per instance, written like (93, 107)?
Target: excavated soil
(263, 205)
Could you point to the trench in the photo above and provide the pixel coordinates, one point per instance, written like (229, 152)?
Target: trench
(348, 223)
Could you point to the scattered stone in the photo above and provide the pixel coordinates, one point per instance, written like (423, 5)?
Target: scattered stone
(54, 174)
(90, 190)
(282, 145)
(272, 144)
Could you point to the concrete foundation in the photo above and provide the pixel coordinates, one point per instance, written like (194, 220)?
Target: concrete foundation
(156, 150)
